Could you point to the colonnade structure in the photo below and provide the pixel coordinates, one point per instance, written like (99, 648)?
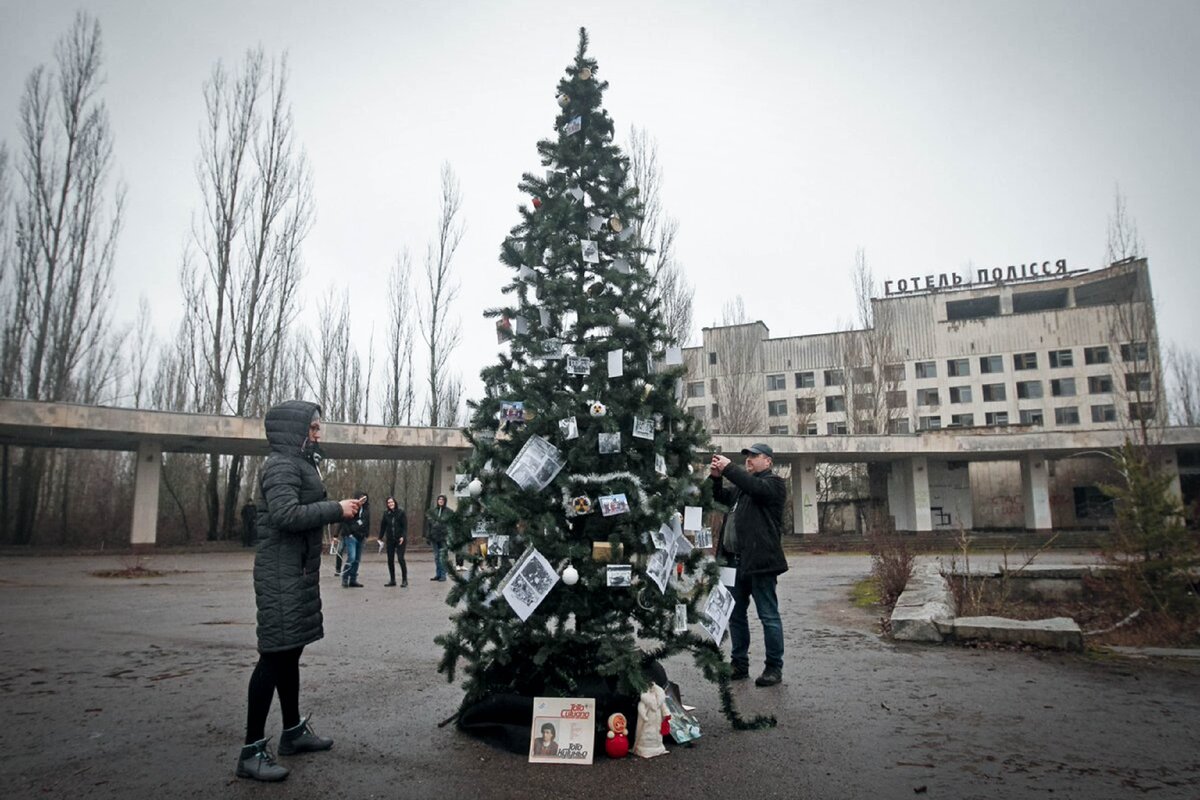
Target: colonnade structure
(151, 433)
(927, 486)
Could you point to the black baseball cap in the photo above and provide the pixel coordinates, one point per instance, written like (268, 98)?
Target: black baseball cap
(761, 449)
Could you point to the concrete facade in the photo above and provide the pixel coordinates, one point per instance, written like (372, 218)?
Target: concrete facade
(1030, 376)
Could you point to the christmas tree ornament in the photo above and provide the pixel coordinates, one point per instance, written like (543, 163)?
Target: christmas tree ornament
(623, 235)
(570, 576)
(585, 74)
(537, 203)
(616, 742)
(595, 289)
(591, 253)
(475, 487)
(624, 320)
(563, 100)
(595, 223)
(597, 409)
(576, 192)
(649, 728)
(573, 126)
(621, 265)
(581, 504)
(615, 223)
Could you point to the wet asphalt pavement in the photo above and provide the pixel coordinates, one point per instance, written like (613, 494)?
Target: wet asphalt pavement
(136, 688)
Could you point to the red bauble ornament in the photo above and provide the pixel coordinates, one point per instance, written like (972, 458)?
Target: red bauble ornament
(666, 725)
(537, 203)
(616, 745)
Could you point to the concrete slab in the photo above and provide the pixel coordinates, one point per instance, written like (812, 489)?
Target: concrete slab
(1061, 633)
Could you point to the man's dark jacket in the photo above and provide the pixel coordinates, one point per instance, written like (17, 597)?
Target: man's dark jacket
(291, 515)
(759, 519)
(360, 526)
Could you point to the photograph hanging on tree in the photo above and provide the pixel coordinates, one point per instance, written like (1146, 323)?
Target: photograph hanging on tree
(569, 428)
(528, 583)
(536, 465)
(579, 365)
(717, 610)
(609, 443)
(618, 575)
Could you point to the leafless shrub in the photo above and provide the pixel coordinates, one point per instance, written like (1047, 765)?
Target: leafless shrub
(891, 560)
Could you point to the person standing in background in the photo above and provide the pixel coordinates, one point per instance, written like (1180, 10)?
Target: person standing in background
(393, 531)
(353, 532)
(435, 532)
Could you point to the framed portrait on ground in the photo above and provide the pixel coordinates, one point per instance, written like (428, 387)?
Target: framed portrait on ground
(563, 730)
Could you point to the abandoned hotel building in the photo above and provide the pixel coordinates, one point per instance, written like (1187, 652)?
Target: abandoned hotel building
(985, 405)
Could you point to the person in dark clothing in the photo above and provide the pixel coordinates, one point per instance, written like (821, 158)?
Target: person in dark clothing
(292, 511)
(393, 530)
(750, 540)
(352, 534)
(249, 531)
(435, 531)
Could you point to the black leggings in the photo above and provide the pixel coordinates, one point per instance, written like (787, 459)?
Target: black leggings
(275, 672)
(396, 552)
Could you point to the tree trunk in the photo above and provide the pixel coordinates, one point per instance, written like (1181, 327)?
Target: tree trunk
(233, 488)
(213, 496)
(33, 464)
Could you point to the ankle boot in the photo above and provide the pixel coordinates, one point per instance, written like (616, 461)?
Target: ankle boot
(302, 739)
(257, 762)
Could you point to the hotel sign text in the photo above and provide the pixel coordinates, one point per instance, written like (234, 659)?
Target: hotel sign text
(951, 280)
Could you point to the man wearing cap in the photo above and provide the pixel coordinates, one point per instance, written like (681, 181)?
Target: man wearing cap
(750, 541)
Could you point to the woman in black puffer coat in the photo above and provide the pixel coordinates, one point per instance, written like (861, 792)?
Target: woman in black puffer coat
(293, 510)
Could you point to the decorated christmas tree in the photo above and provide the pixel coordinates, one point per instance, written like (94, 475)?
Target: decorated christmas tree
(583, 460)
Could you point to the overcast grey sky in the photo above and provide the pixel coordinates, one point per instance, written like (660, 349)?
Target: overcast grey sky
(932, 134)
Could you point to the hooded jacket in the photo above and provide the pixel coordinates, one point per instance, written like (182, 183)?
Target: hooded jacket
(292, 511)
(759, 518)
(359, 526)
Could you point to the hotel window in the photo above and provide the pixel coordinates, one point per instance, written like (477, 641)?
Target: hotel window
(1100, 384)
(898, 425)
(835, 428)
(991, 365)
(712, 385)
(696, 389)
(1105, 413)
(893, 372)
(1137, 382)
(863, 375)
(1031, 416)
(811, 430)
(927, 397)
(1061, 358)
(805, 380)
(1062, 387)
(716, 411)
(777, 408)
(929, 423)
(1135, 351)
(806, 405)
(994, 393)
(712, 358)
(834, 377)
(863, 401)
(1067, 415)
(1024, 361)
(926, 369)
(897, 399)
(1141, 411)
(776, 382)
(835, 402)
(958, 367)
(996, 418)
(962, 420)
(778, 430)
(960, 394)
(1095, 355)
(1029, 390)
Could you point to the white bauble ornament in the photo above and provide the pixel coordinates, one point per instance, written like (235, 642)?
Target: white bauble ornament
(563, 100)
(570, 576)
(475, 487)
(585, 74)
(598, 409)
(624, 320)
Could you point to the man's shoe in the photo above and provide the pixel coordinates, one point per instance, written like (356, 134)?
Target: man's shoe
(258, 763)
(442, 579)
(435, 578)
(302, 739)
(770, 677)
(404, 585)
(390, 583)
(356, 585)
(740, 673)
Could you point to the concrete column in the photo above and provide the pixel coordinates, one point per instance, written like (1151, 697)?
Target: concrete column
(804, 496)
(922, 518)
(144, 530)
(1170, 466)
(899, 494)
(1035, 492)
(443, 478)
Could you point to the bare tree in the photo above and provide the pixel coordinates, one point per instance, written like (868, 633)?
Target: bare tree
(735, 368)
(1183, 373)
(141, 353)
(656, 235)
(440, 334)
(868, 358)
(1123, 240)
(257, 195)
(398, 371)
(65, 233)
